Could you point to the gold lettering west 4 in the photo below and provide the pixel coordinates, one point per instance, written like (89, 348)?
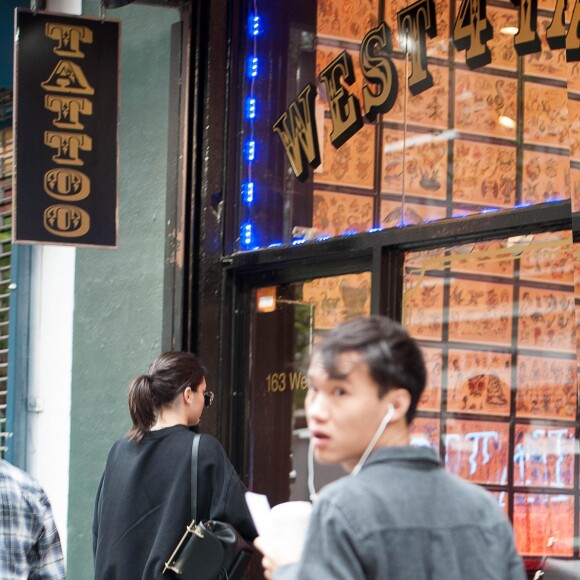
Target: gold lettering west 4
(573, 37)
(297, 131)
(415, 22)
(344, 106)
(472, 31)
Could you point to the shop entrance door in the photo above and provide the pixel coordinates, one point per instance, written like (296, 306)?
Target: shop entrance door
(285, 323)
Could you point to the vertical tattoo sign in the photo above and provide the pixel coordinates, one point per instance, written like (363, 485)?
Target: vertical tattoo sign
(66, 109)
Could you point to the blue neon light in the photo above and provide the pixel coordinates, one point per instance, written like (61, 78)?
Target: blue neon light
(251, 108)
(248, 192)
(254, 25)
(253, 66)
(250, 150)
(247, 234)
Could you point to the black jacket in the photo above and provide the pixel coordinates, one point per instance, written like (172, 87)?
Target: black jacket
(143, 501)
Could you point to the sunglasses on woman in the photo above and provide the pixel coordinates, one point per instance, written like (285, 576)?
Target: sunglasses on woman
(208, 398)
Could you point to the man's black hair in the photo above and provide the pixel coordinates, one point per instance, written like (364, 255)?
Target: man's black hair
(393, 358)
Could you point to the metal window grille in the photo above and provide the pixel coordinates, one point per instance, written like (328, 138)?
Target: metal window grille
(6, 169)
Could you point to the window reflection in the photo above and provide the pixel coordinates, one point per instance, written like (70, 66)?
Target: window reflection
(497, 324)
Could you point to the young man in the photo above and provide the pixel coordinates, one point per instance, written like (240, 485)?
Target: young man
(399, 515)
(29, 541)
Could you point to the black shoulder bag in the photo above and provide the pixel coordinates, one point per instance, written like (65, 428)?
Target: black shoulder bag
(209, 550)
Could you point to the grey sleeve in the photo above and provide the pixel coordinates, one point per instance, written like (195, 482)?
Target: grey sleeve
(331, 549)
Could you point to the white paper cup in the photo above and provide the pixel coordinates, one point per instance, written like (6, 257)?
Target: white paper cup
(287, 527)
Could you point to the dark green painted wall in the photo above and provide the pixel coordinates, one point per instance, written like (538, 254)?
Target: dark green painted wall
(7, 40)
(119, 293)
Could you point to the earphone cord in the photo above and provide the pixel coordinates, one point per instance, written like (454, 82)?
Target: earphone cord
(371, 445)
(311, 487)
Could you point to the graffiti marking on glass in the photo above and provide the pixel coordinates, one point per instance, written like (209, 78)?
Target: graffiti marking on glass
(543, 456)
(474, 437)
(484, 437)
(67, 79)
(477, 450)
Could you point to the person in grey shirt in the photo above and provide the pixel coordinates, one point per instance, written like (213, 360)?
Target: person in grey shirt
(399, 514)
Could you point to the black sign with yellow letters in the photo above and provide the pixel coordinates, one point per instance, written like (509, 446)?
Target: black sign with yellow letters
(66, 106)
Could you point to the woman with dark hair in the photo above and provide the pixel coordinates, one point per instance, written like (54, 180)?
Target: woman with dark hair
(143, 502)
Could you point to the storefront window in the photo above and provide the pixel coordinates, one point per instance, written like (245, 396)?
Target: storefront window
(497, 323)
(482, 138)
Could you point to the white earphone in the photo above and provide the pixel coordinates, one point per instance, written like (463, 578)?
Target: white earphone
(380, 430)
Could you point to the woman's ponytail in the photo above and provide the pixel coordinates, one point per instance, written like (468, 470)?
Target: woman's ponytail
(141, 406)
(169, 375)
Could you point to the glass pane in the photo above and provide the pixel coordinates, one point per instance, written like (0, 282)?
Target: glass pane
(472, 139)
(286, 321)
(497, 324)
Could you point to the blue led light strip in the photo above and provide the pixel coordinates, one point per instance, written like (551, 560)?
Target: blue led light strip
(248, 189)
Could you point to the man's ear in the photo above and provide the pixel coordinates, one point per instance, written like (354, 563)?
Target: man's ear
(401, 401)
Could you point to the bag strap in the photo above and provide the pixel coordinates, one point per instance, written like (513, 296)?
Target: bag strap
(194, 461)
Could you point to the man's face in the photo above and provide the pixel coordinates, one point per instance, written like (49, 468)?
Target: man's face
(342, 414)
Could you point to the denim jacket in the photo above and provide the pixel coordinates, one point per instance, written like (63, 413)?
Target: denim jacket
(404, 517)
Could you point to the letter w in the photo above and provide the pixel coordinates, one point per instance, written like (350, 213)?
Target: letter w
(297, 131)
